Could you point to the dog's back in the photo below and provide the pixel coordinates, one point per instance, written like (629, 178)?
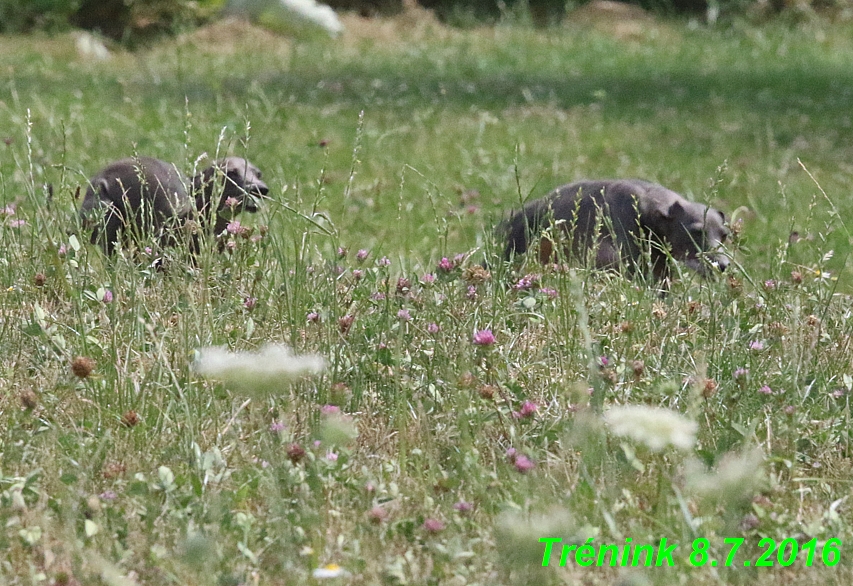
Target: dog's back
(142, 194)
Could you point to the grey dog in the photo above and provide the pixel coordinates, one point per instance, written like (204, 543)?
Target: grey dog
(613, 219)
(142, 197)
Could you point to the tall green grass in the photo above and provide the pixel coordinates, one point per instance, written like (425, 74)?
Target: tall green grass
(410, 146)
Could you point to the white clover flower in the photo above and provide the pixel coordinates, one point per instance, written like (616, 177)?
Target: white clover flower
(271, 365)
(330, 571)
(653, 426)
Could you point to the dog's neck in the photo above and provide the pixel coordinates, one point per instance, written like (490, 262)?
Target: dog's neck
(202, 189)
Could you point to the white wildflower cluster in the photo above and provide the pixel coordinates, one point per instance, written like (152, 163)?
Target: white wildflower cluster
(737, 476)
(272, 364)
(655, 427)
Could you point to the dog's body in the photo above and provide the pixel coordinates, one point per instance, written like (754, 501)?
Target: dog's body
(146, 196)
(614, 219)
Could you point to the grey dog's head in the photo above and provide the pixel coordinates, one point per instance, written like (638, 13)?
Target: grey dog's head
(697, 235)
(235, 182)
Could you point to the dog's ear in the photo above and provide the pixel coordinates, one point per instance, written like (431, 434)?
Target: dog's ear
(102, 187)
(667, 213)
(675, 210)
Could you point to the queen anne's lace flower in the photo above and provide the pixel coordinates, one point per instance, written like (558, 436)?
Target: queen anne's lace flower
(653, 426)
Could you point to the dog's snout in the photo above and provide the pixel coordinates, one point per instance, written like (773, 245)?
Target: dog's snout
(261, 188)
(718, 260)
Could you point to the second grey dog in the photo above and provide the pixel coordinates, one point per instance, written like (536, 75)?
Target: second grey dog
(142, 197)
(614, 220)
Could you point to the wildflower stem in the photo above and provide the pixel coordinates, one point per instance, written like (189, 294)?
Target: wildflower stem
(596, 401)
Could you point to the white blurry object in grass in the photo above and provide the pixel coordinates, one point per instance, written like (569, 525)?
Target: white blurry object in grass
(91, 47)
(330, 571)
(280, 13)
(655, 427)
(736, 477)
(271, 364)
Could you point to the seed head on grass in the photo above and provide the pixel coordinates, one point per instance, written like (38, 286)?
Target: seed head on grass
(82, 366)
(476, 275)
(486, 392)
(655, 427)
(709, 388)
(638, 367)
(29, 399)
(345, 323)
(295, 453)
(130, 418)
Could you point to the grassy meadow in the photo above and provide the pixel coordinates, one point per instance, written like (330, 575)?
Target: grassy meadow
(427, 451)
